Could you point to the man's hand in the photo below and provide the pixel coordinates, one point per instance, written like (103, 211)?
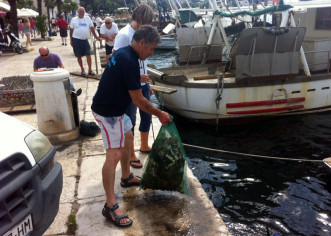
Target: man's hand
(145, 79)
(71, 43)
(164, 118)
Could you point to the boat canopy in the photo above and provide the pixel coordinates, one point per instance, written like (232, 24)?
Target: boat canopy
(187, 16)
(262, 52)
(254, 13)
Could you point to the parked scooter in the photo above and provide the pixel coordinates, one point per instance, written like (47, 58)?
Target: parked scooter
(14, 45)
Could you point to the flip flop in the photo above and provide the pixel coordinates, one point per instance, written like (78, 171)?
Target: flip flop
(134, 166)
(147, 152)
(125, 182)
(106, 210)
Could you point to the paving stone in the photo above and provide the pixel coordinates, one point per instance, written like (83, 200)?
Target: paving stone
(59, 225)
(93, 147)
(68, 190)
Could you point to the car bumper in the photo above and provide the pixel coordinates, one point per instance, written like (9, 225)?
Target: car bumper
(24, 192)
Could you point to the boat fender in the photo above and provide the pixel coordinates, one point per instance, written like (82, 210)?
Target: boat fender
(274, 31)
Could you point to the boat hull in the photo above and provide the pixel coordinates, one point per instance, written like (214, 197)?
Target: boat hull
(283, 97)
(167, 43)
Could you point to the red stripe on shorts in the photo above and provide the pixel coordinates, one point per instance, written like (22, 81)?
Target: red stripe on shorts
(108, 141)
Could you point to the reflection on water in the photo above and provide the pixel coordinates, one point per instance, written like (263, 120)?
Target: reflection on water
(262, 196)
(162, 59)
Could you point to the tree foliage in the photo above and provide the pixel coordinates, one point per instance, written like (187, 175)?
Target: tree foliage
(13, 16)
(41, 25)
(102, 7)
(69, 6)
(26, 4)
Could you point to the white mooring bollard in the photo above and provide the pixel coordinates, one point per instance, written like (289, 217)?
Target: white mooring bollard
(54, 105)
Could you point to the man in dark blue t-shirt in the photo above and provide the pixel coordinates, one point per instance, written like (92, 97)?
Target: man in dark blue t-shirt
(119, 85)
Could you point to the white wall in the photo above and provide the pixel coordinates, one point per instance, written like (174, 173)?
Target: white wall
(308, 20)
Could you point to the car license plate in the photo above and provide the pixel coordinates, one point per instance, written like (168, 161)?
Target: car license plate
(22, 229)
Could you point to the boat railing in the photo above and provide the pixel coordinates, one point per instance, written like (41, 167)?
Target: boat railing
(323, 63)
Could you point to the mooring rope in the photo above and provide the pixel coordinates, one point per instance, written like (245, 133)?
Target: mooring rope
(251, 155)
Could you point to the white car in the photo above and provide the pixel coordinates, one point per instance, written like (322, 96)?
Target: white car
(30, 179)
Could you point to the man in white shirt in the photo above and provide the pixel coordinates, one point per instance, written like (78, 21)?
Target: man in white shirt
(141, 15)
(93, 20)
(98, 22)
(80, 27)
(108, 31)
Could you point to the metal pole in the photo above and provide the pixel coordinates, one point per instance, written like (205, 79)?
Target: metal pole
(286, 15)
(95, 56)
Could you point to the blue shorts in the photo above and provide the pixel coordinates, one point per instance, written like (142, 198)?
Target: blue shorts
(113, 129)
(81, 47)
(109, 49)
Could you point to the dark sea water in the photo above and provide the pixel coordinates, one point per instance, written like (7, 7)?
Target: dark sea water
(257, 196)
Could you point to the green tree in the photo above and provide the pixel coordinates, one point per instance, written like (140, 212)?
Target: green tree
(59, 7)
(41, 25)
(25, 4)
(40, 9)
(49, 4)
(13, 16)
(69, 6)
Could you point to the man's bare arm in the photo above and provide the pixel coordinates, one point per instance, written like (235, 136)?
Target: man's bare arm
(140, 101)
(94, 34)
(106, 37)
(71, 31)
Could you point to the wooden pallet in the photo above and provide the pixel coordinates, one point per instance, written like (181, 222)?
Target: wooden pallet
(97, 77)
(18, 109)
(163, 89)
(156, 88)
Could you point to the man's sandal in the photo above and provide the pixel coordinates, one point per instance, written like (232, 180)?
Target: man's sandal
(125, 182)
(106, 210)
(135, 162)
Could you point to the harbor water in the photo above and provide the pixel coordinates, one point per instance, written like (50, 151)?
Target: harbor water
(260, 196)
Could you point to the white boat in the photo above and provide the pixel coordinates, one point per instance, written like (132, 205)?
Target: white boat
(167, 43)
(267, 75)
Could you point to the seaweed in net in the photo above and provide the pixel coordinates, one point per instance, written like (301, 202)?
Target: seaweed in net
(165, 168)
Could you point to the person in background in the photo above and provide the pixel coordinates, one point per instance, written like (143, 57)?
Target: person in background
(27, 31)
(108, 31)
(20, 28)
(80, 27)
(33, 27)
(98, 22)
(53, 23)
(93, 21)
(142, 15)
(46, 59)
(63, 25)
(118, 87)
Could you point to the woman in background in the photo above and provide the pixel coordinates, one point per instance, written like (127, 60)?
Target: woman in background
(27, 31)
(20, 28)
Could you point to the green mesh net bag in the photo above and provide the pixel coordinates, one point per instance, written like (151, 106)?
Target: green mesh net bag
(165, 168)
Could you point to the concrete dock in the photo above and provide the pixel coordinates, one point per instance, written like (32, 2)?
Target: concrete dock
(83, 197)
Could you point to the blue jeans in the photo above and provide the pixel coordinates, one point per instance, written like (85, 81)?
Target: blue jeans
(145, 118)
(72, 88)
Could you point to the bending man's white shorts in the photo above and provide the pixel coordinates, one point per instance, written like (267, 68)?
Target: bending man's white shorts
(113, 129)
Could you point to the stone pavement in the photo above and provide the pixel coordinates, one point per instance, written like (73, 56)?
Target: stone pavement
(82, 199)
